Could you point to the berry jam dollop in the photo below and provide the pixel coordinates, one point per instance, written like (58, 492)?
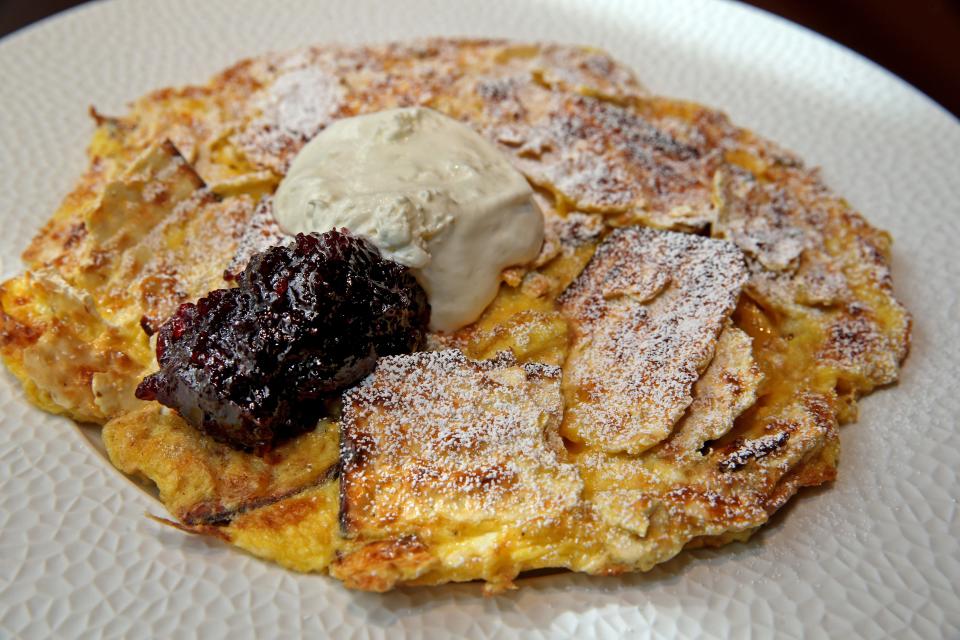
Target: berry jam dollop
(254, 365)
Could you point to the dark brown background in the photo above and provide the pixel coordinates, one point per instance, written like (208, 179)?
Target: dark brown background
(919, 40)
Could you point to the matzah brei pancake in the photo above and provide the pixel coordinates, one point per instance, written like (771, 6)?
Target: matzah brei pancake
(168, 203)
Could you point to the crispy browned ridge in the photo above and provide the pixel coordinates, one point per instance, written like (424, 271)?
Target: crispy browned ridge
(670, 370)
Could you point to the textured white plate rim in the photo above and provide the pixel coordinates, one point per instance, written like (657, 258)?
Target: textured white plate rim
(853, 54)
(76, 554)
(767, 15)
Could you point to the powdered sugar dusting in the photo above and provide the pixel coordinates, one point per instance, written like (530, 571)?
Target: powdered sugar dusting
(587, 71)
(726, 389)
(606, 158)
(293, 109)
(647, 311)
(760, 221)
(802, 261)
(852, 337)
(261, 233)
(435, 435)
(562, 235)
(301, 101)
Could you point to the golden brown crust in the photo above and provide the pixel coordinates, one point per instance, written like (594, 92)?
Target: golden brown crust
(380, 566)
(205, 482)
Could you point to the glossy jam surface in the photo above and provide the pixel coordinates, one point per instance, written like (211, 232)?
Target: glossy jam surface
(254, 365)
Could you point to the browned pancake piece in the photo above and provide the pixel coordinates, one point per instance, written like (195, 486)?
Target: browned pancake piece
(682, 493)
(818, 269)
(655, 504)
(204, 482)
(149, 243)
(647, 311)
(442, 450)
(725, 390)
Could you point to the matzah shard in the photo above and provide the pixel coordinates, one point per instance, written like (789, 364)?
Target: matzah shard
(646, 313)
(725, 390)
(451, 452)
(435, 437)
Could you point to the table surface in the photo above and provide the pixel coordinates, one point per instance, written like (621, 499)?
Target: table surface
(919, 40)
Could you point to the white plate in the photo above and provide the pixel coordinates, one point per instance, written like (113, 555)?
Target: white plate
(878, 553)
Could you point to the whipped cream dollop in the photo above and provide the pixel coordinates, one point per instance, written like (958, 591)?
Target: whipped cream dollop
(429, 192)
